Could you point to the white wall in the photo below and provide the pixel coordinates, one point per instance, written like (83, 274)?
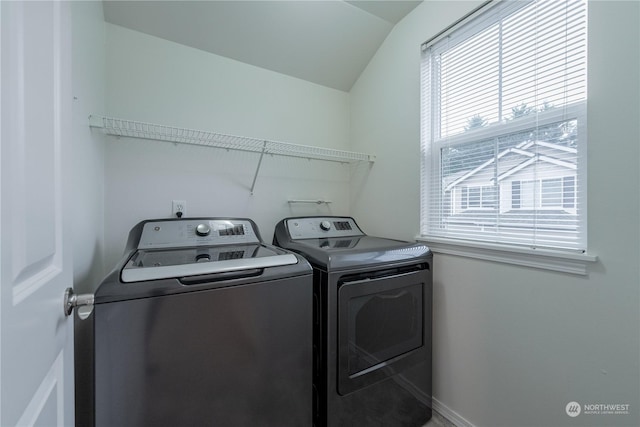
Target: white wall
(513, 345)
(88, 68)
(153, 80)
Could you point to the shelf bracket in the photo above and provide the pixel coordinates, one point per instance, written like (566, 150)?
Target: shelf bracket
(264, 148)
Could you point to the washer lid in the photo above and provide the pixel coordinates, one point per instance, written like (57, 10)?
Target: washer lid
(357, 251)
(180, 262)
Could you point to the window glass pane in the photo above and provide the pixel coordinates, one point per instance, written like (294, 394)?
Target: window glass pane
(474, 197)
(535, 78)
(515, 194)
(568, 192)
(529, 196)
(489, 199)
(464, 202)
(551, 192)
(463, 158)
(469, 94)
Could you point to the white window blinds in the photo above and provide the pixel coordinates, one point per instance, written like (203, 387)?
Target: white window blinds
(504, 127)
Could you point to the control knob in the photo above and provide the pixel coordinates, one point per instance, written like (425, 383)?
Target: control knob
(203, 230)
(325, 225)
(203, 258)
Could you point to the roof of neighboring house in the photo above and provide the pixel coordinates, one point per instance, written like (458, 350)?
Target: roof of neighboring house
(515, 159)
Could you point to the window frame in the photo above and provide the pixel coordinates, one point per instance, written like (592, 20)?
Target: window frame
(565, 260)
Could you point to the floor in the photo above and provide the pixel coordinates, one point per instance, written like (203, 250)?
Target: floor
(438, 420)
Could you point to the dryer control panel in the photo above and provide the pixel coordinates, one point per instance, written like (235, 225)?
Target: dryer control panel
(196, 232)
(322, 227)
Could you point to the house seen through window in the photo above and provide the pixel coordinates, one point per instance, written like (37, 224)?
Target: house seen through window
(504, 127)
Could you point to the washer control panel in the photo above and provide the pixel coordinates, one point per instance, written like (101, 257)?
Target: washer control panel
(322, 227)
(196, 232)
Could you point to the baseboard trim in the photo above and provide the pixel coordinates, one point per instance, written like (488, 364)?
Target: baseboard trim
(451, 415)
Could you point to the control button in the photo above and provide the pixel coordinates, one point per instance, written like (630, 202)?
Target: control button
(203, 258)
(325, 225)
(203, 230)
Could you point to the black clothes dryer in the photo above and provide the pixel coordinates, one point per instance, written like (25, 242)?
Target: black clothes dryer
(200, 324)
(372, 322)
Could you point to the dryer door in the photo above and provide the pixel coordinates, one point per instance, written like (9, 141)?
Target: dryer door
(381, 326)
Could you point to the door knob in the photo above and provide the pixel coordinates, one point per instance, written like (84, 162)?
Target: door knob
(73, 300)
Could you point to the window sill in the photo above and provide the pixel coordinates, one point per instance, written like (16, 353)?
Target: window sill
(574, 263)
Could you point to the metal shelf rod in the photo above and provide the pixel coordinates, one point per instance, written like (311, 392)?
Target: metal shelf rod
(315, 202)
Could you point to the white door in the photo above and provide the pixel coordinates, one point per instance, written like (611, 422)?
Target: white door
(36, 339)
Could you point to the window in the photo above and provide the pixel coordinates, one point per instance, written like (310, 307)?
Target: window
(515, 194)
(478, 198)
(555, 193)
(474, 197)
(503, 126)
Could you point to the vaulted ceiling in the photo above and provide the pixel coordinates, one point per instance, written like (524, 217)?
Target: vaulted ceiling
(328, 42)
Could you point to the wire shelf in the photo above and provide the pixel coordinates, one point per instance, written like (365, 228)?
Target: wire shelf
(135, 129)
